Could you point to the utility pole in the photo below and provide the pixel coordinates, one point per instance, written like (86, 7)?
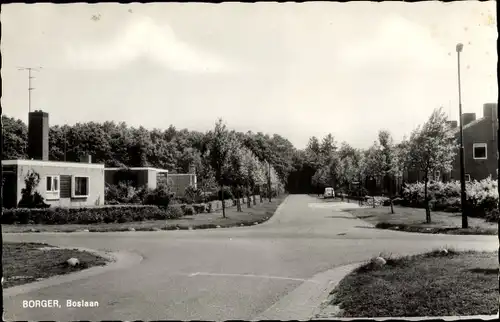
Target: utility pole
(1, 207)
(269, 180)
(498, 167)
(30, 77)
(462, 160)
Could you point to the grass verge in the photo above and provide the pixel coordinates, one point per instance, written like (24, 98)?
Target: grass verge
(257, 214)
(413, 220)
(432, 284)
(26, 262)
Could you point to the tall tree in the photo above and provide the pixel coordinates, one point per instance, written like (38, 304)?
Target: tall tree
(432, 148)
(15, 139)
(220, 151)
(389, 163)
(402, 158)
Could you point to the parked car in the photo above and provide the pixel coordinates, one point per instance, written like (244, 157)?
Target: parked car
(329, 193)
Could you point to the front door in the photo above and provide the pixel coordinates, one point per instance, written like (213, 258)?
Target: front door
(9, 189)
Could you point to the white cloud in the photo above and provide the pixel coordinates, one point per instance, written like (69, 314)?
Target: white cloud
(399, 41)
(144, 38)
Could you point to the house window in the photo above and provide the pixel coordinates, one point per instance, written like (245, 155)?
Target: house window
(52, 188)
(80, 187)
(479, 150)
(437, 175)
(467, 177)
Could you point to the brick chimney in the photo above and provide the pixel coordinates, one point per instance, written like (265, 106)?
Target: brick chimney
(490, 110)
(38, 136)
(86, 158)
(467, 118)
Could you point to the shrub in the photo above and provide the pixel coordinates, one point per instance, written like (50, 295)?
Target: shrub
(30, 198)
(94, 215)
(175, 212)
(199, 208)
(482, 196)
(125, 193)
(492, 215)
(189, 211)
(193, 195)
(158, 197)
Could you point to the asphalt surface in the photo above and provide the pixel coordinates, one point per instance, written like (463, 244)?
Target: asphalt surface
(222, 274)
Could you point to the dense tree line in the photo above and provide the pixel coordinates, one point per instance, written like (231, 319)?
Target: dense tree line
(430, 148)
(119, 145)
(244, 162)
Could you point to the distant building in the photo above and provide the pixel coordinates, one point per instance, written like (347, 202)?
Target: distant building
(480, 145)
(136, 176)
(180, 181)
(151, 178)
(63, 184)
(480, 148)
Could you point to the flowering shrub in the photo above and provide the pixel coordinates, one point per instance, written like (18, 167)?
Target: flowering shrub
(482, 196)
(124, 193)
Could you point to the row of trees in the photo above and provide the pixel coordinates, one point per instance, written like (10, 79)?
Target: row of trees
(118, 145)
(235, 165)
(242, 162)
(245, 161)
(430, 148)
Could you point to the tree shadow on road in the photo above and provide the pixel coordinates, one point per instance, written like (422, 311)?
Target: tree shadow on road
(346, 217)
(340, 217)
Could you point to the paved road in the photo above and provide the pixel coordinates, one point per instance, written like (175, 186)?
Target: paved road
(222, 274)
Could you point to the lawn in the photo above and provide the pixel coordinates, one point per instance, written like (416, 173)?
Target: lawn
(413, 220)
(249, 216)
(27, 262)
(433, 284)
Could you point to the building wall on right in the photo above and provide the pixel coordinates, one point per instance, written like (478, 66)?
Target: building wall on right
(479, 137)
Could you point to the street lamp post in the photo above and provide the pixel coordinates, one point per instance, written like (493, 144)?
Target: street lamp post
(462, 161)
(269, 180)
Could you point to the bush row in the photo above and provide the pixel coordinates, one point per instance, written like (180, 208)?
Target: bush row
(92, 215)
(106, 214)
(124, 193)
(482, 197)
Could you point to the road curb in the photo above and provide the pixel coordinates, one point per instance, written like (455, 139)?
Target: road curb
(274, 216)
(305, 301)
(309, 299)
(417, 318)
(117, 260)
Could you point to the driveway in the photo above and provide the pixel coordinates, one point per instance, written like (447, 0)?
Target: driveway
(222, 274)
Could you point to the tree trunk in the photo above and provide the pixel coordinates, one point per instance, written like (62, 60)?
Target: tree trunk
(238, 200)
(223, 201)
(253, 196)
(249, 202)
(269, 193)
(426, 201)
(390, 196)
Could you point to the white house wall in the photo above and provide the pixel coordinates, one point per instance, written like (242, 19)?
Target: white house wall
(96, 183)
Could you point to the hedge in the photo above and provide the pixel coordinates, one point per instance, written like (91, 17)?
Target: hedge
(482, 197)
(91, 215)
(105, 214)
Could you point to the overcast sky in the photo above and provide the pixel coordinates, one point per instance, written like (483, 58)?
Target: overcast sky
(293, 69)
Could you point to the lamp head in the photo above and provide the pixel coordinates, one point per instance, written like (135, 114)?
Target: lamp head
(459, 48)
